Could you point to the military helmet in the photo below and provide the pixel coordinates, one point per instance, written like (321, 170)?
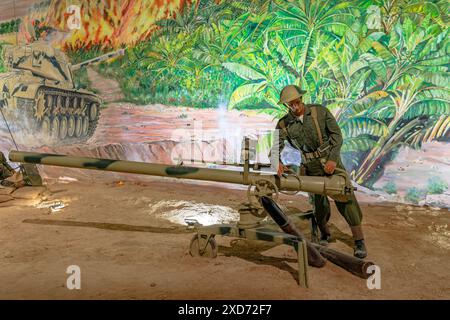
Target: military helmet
(290, 93)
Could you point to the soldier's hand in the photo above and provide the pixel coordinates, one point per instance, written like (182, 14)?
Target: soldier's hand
(281, 169)
(329, 167)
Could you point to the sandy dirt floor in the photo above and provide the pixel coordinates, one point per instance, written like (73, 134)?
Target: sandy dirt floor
(127, 233)
(117, 232)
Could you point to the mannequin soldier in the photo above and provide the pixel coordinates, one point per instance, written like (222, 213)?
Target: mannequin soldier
(5, 169)
(27, 175)
(313, 130)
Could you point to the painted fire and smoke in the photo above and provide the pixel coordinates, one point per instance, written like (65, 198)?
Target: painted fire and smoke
(217, 64)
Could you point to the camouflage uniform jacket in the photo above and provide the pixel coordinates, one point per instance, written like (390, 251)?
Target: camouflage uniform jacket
(303, 135)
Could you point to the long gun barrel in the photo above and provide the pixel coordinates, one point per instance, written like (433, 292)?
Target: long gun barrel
(101, 58)
(331, 186)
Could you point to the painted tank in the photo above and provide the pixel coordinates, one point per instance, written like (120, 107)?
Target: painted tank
(38, 93)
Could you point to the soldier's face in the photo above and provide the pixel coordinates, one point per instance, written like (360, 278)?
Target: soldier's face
(297, 106)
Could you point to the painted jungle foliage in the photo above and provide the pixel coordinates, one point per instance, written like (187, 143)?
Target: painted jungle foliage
(380, 66)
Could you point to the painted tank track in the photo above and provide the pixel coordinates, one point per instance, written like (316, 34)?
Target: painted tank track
(52, 110)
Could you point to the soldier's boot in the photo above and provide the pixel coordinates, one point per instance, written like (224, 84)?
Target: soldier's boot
(325, 235)
(360, 250)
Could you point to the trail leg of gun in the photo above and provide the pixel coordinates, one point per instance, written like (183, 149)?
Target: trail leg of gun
(314, 257)
(316, 252)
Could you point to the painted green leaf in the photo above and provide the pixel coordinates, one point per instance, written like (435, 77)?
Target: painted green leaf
(426, 7)
(357, 126)
(358, 144)
(440, 79)
(265, 142)
(381, 110)
(428, 107)
(376, 64)
(384, 53)
(243, 71)
(356, 66)
(244, 92)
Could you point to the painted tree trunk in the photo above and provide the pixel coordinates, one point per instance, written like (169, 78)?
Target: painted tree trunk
(374, 159)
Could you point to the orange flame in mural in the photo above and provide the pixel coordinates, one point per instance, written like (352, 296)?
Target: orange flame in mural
(110, 23)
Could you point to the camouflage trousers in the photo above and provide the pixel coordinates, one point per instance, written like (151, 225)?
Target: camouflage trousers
(350, 210)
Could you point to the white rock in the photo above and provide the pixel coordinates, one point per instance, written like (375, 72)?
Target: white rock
(66, 180)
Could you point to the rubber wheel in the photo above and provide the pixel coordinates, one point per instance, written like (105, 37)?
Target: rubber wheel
(93, 112)
(46, 126)
(56, 124)
(200, 248)
(63, 128)
(78, 126)
(85, 127)
(71, 126)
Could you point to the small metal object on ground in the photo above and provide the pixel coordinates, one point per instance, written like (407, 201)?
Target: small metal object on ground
(203, 245)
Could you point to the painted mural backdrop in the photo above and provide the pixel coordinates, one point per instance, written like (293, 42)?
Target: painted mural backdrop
(380, 66)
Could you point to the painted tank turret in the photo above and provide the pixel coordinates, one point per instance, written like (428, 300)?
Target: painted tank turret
(38, 93)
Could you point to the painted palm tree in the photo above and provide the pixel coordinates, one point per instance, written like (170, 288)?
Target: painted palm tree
(210, 12)
(305, 25)
(410, 92)
(394, 10)
(215, 46)
(263, 77)
(253, 18)
(289, 41)
(166, 58)
(342, 77)
(187, 20)
(211, 50)
(413, 123)
(342, 65)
